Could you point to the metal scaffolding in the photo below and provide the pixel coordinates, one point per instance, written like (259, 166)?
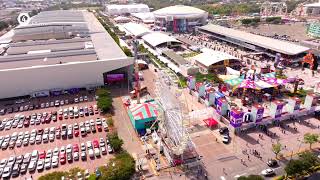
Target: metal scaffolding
(172, 118)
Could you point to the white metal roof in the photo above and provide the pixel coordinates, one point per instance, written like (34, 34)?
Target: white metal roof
(157, 38)
(264, 42)
(313, 5)
(210, 57)
(136, 29)
(180, 11)
(126, 8)
(145, 16)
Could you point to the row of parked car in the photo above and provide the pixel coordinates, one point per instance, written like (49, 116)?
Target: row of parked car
(19, 121)
(29, 107)
(49, 134)
(41, 160)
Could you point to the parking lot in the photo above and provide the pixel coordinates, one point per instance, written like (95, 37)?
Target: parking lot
(47, 136)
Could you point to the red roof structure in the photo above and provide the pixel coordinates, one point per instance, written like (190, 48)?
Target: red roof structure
(210, 122)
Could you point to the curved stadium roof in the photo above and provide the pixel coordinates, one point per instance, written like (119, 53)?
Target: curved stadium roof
(156, 38)
(180, 11)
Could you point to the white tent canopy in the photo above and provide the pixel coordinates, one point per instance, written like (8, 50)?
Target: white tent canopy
(136, 29)
(157, 38)
(210, 57)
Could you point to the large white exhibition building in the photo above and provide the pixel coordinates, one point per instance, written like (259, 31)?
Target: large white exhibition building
(180, 18)
(59, 50)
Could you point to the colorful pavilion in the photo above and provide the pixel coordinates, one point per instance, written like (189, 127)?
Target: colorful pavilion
(143, 115)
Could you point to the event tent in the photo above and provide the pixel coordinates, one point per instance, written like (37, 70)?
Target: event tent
(141, 114)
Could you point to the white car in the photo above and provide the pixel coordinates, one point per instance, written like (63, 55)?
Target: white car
(76, 156)
(32, 140)
(83, 147)
(38, 139)
(69, 148)
(51, 137)
(32, 166)
(267, 172)
(91, 154)
(97, 152)
(55, 161)
(6, 172)
(62, 150)
(47, 163)
(40, 165)
(3, 163)
(110, 150)
(225, 139)
(89, 145)
(19, 143)
(32, 121)
(55, 152)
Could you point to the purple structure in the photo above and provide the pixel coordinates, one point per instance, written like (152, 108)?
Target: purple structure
(276, 109)
(236, 118)
(257, 113)
(222, 106)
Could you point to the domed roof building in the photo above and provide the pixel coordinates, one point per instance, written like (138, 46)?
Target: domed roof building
(180, 18)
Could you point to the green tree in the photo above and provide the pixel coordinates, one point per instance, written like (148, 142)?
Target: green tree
(251, 177)
(72, 173)
(122, 167)
(276, 148)
(54, 175)
(104, 100)
(110, 122)
(127, 51)
(294, 168)
(311, 138)
(115, 142)
(309, 160)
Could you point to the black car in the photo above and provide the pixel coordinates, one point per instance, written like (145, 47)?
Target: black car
(272, 163)
(69, 157)
(10, 110)
(224, 130)
(16, 109)
(16, 170)
(31, 107)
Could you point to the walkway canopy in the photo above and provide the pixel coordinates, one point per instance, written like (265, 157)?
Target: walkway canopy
(156, 38)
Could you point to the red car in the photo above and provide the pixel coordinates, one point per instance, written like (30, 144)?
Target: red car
(42, 155)
(75, 148)
(48, 119)
(76, 132)
(63, 158)
(26, 123)
(60, 116)
(40, 131)
(99, 128)
(95, 144)
(43, 120)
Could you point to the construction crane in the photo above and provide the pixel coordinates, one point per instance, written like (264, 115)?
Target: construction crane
(136, 71)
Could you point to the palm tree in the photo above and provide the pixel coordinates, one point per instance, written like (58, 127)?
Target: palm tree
(311, 138)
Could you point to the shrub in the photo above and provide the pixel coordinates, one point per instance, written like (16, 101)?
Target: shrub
(104, 100)
(115, 142)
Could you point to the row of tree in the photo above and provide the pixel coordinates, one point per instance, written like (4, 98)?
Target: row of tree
(307, 163)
